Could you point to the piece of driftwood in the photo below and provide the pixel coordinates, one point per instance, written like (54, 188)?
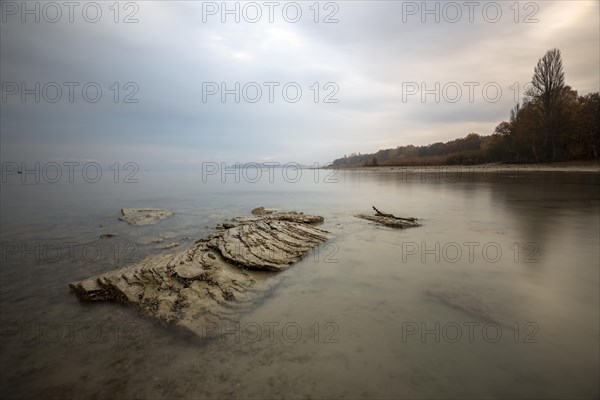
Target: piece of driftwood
(390, 219)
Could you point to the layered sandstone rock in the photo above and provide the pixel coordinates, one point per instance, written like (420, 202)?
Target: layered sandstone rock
(215, 279)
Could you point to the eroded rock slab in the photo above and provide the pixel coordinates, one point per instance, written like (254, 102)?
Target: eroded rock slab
(291, 216)
(213, 281)
(143, 216)
(390, 220)
(268, 244)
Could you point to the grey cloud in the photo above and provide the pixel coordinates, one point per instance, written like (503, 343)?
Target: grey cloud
(368, 54)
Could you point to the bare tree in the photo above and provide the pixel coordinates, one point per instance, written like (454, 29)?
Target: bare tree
(547, 86)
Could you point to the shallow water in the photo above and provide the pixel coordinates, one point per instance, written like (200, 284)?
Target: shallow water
(496, 295)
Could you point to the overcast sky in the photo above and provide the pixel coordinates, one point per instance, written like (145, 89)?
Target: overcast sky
(372, 64)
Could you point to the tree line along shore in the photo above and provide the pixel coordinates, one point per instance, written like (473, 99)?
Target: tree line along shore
(552, 124)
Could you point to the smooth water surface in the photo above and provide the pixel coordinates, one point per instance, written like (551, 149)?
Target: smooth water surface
(496, 295)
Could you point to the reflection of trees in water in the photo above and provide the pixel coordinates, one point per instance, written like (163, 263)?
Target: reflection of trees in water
(536, 202)
(540, 205)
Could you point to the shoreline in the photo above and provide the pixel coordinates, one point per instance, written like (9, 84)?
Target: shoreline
(591, 167)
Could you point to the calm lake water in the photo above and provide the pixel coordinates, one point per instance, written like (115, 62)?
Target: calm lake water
(495, 296)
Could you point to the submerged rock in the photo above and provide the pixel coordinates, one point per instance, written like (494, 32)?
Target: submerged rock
(215, 279)
(475, 303)
(225, 225)
(144, 216)
(390, 220)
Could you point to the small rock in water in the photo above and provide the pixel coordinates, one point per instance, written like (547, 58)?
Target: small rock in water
(144, 216)
(107, 235)
(262, 211)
